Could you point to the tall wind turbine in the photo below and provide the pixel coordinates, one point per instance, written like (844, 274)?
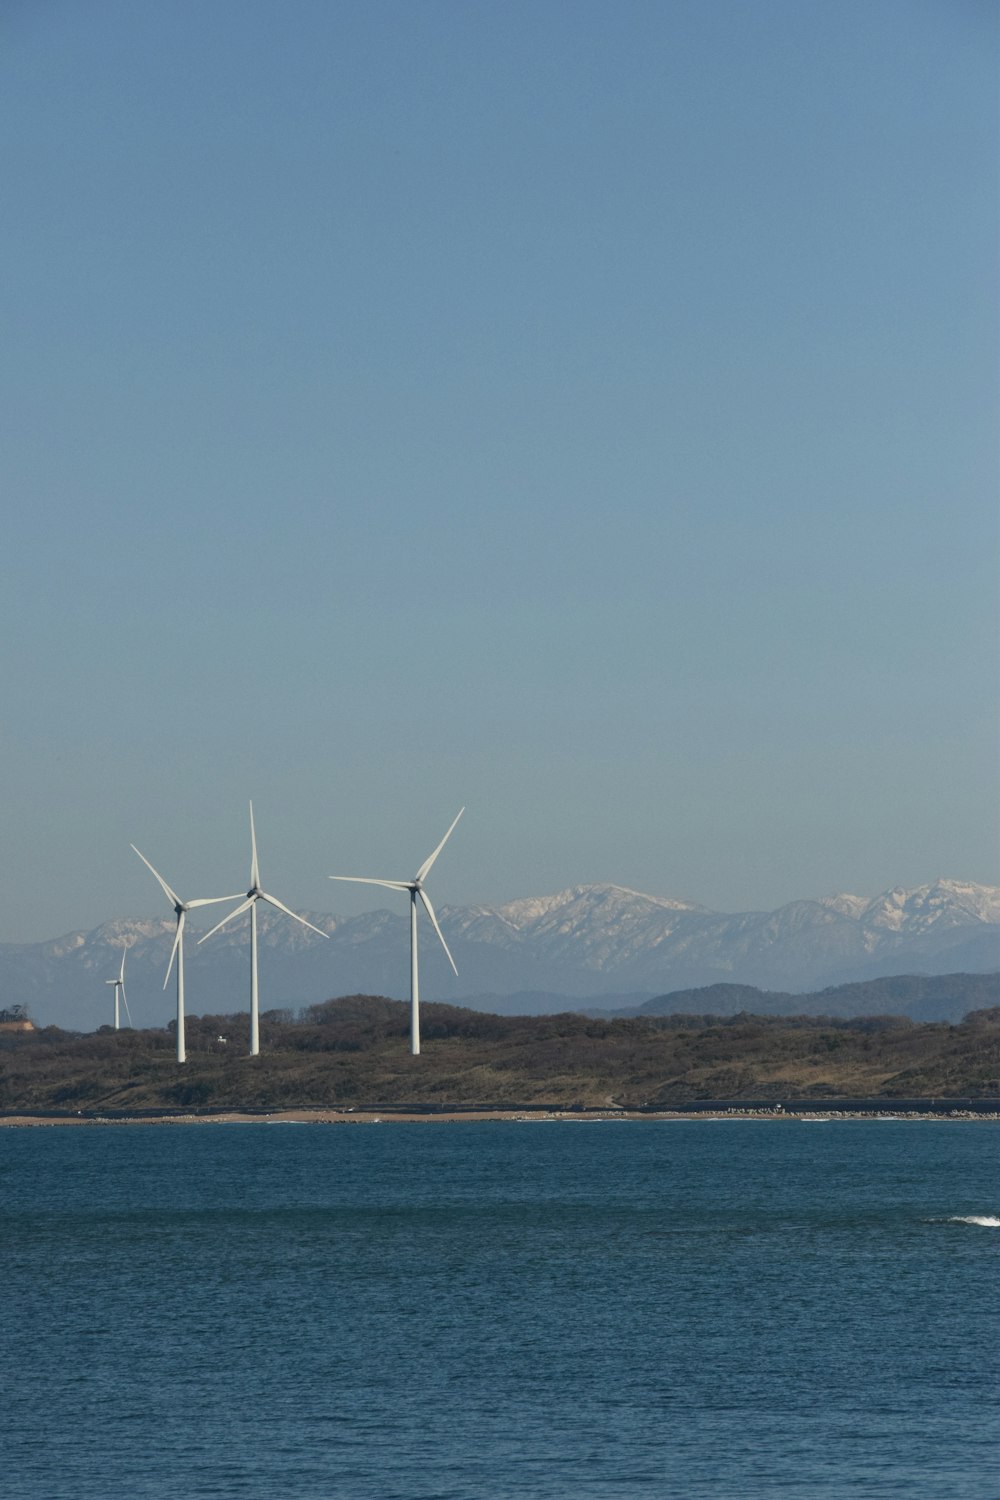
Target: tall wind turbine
(181, 909)
(415, 888)
(119, 985)
(255, 894)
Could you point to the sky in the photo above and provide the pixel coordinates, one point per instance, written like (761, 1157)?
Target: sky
(583, 413)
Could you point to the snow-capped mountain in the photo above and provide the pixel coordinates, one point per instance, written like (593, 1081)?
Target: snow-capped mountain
(590, 942)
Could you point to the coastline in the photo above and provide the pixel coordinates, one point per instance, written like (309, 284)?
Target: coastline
(459, 1116)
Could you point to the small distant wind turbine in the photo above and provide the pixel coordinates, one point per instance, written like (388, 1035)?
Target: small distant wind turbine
(255, 894)
(119, 985)
(181, 908)
(415, 888)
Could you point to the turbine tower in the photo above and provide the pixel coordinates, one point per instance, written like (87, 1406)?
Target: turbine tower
(415, 888)
(255, 894)
(181, 908)
(119, 985)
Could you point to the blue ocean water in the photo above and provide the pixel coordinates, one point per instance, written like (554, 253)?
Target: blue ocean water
(497, 1311)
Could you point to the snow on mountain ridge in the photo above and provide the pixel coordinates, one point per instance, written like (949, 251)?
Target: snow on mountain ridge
(940, 901)
(845, 904)
(943, 902)
(528, 910)
(581, 941)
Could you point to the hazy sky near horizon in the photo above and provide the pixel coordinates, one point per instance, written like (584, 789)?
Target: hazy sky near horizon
(580, 412)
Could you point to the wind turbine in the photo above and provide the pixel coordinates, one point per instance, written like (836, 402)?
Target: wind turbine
(255, 894)
(177, 951)
(119, 985)
(415, 888)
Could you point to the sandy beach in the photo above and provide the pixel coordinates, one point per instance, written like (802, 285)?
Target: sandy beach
(450, 1117)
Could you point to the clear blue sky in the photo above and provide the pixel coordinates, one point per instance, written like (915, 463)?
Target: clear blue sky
(584, 412)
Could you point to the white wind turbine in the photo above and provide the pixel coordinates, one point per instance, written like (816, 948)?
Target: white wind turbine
(415, 888)
(255, 894)
(181, 909)
(119, 985)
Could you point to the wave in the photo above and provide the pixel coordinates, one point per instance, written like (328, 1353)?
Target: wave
(985, 1221)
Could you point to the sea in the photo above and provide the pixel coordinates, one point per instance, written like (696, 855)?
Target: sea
(501, 1310)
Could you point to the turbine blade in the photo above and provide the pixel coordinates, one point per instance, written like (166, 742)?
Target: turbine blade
(392, 885)
(289, 913)
(428, 862)
(127, 1011)
(430, 912)
(121, 971)
(171, 896)
(237, 911)
(211, 900)
(177, 943)
(254, 868)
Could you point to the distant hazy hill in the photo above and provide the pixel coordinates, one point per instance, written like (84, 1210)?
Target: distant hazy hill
(922, 997)
(596, 945)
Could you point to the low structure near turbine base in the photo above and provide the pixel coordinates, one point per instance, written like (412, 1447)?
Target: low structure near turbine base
(16, 1018)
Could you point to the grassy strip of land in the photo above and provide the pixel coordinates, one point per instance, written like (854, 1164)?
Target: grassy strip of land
(353, 1054)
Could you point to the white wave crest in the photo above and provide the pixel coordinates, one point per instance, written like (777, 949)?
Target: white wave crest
(985, 1221)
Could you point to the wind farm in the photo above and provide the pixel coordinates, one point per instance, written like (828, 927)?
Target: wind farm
(255, 894)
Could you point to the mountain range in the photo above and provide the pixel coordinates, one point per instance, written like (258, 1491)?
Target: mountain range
(602, 946)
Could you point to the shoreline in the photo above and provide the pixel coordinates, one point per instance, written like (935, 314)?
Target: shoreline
(459, 1116)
